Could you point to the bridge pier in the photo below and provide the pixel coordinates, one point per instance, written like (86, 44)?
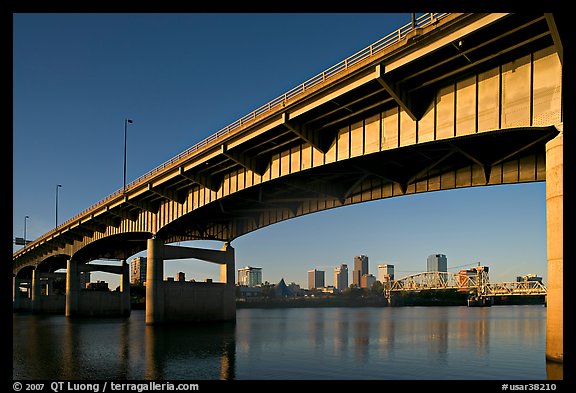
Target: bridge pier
(554, 240)
(47, 302)
(72, 288)
(16, 296)
(176, 301)
(97, 303)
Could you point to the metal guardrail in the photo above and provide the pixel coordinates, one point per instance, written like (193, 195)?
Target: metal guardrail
(366, 53)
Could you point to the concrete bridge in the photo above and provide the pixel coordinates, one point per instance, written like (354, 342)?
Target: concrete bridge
(448, 101)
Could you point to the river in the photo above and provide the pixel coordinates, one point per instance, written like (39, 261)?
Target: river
(364, 343)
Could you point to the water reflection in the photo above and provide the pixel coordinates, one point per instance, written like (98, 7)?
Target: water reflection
(200, 351)
(505, 342)
(55, 347)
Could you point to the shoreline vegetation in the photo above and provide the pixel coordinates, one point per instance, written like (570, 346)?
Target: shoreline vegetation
(424, 298)
(360, 298)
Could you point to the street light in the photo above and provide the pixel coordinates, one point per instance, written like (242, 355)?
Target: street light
(126, 121)
(57, 187)
(25, 218)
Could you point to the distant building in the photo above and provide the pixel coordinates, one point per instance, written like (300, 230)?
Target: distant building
(341, 277)
(329, 289)
(245, 291)
(84, 279)
(98, 286)
(138, 270)
(360, 269)
(469, 277)
(180, 276)
(315, 279)
(437, 263)
(367, 280)
(282, 290)
(385, 273)
(250, 276)
(529, 277)
(295, 288)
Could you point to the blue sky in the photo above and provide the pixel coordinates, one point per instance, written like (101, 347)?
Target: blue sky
(182, 77)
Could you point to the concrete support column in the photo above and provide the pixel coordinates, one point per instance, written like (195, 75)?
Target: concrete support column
(554, 245)
(228, 276)
(36, 291)
(125, 288)
(16, 292)
(155, 281)
(72, 288)
(49, 286)
(227, 270)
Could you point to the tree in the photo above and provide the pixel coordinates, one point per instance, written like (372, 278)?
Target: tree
(377, 288)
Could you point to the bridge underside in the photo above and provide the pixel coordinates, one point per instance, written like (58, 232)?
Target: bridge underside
(490, 158)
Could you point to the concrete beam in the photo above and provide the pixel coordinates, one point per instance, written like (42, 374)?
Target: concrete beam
(100, 268)
(84, 230)
(399, 94)
(108, 221)
(123, 212)
(149, 207)
(251, 163)
(303, 132)
(94, 226)
(178, 252)
(556, 36)
(165, 192)
(208, 182)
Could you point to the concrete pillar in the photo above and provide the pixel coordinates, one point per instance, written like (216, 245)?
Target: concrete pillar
(16, 292)
(155, 281)
(36, 291)
(72, 288)
(554, 245)
(125, 289)
(227, 275)
(49, 286)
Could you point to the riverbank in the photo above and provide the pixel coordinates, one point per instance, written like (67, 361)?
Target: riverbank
(430, 298)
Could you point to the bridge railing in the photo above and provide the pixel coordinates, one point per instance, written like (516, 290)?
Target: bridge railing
(515, 288)
(436, 280)
(392, 38)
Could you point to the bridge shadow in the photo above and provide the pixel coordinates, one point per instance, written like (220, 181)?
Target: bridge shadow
(203, 351)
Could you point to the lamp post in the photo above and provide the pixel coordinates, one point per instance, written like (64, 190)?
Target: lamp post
(126, 121)
(25, 218)
(57, 187)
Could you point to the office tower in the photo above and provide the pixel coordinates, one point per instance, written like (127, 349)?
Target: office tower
(367, 281)
(84, 279)
(180, 276)
(360, 269)
(138, 270)
(250, 276)
(341, 277)
(315, 279)
(437, 263)
(385, 273)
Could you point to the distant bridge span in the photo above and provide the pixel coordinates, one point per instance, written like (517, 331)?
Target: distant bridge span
(478, 284)
(457, 100)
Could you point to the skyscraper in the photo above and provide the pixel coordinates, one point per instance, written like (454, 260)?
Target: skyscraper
(385, 273)
(250, 276)
(360, 269)
(315, 279)
(341, 277)
(367, 281)
(138, 270)
(84, 279)
(437, 263)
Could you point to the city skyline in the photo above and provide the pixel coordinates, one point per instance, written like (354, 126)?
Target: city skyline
(74, 86)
